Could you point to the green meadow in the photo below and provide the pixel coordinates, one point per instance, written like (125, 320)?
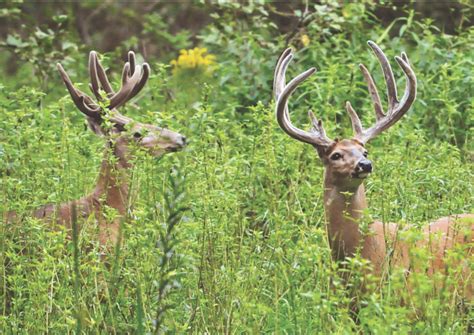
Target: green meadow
(228, 236)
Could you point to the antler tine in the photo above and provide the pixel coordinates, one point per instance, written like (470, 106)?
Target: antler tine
(82, 101)
(317, 125)
(396, 109)
(145, 74)
(374, 94)
(94, 84)
(131, 61)
(387, 73)
(104, 81)
(317, 136)
(409, 95)
(128, 83)
(356, 124)
(141, 83)
(278, 81)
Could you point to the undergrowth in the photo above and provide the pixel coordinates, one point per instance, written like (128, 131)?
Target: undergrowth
(245, 251)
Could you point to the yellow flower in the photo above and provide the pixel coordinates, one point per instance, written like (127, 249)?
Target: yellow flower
(305, 40)
(196, 58)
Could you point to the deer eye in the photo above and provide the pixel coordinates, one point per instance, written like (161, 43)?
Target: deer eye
(336, 156)
(366, 154)
(137, 135)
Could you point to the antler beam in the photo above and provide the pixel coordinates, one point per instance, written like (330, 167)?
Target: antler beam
(282, 91)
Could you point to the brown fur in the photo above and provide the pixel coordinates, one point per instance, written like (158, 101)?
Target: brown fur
(344, 201)
(111, 189)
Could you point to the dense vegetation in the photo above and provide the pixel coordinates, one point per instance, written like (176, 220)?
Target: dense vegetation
(229, 235)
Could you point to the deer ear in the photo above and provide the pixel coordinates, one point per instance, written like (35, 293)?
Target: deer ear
(95, 126)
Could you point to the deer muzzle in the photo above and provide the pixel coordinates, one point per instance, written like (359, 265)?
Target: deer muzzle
(363, 169)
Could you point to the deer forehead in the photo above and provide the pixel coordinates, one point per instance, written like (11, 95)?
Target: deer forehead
(146, 126)
(352, 146)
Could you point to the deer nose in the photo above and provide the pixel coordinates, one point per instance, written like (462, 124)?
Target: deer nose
(182, 140)
(364, 166)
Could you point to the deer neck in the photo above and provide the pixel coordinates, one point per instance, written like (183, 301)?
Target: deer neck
(343, 209)
(112, 188)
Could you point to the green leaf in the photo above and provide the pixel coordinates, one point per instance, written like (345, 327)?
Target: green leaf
(15, 42)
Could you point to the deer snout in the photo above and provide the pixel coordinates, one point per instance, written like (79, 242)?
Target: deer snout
(364, 166)
(174, 140)
(181, 140)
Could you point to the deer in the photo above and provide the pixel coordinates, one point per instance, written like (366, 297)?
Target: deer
(346, 167)
(121, 134)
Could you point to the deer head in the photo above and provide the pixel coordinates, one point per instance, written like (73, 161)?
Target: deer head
(346, 161)
(156, 140)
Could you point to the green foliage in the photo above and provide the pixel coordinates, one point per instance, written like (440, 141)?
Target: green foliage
(168, 244)
(251, 253)
(42, 47)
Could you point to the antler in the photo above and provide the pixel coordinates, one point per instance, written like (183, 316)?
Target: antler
(317, 135)
(396, 108)
(134, 78)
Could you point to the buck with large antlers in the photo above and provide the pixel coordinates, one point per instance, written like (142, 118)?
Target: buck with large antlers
(346, 166)
(112, 188)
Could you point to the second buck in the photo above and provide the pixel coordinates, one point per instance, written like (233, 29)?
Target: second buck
(121, 133)
(346, 166)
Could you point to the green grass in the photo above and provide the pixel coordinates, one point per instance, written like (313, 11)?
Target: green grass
(252, 256)
(250, 253)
